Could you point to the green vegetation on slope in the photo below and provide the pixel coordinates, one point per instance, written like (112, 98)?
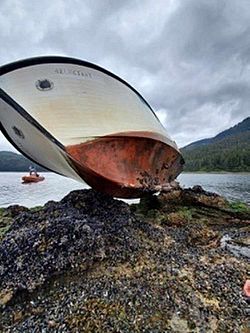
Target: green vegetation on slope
(229, 152)
(10, 161)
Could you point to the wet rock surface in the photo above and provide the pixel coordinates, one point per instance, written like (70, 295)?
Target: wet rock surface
(90, 263)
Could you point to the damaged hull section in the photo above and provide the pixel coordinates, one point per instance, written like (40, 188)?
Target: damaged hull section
(127, 166)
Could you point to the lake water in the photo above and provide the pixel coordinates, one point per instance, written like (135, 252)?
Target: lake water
(12, 191)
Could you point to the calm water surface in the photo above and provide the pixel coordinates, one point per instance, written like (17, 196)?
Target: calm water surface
(12, 191)
(233, 186)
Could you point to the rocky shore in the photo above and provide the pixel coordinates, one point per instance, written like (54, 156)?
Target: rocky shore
(176, 262)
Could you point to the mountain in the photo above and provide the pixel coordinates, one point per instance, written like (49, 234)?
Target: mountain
(227, 151)
(242, 127)
(10, 161)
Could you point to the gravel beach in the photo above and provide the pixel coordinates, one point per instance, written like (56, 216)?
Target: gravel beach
(90, 263)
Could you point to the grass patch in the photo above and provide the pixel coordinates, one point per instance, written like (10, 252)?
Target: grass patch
(3, 231)
(186, 213)
(239, 207)
(5, 223)
(36, 208)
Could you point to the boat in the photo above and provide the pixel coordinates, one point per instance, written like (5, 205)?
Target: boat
(81, 121)
(32, 179)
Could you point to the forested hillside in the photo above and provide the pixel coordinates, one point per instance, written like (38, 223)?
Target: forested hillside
(227, 151)
(10, 161)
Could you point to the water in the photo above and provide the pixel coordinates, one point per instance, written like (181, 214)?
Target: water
(54, 187)
(233, 186)
(12, 191)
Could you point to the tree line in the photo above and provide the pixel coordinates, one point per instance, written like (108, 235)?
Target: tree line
(229, 154)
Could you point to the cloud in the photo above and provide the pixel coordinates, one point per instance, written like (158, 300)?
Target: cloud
(4, 144)
(190, 59)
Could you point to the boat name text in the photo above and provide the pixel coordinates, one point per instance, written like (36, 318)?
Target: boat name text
(75, 72)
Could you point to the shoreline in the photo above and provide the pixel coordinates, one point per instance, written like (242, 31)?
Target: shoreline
(236, 187)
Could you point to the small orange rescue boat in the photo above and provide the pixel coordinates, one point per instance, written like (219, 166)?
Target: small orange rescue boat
(32, 179)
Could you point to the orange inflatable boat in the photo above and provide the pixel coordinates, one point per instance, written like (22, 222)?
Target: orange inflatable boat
(32, 179)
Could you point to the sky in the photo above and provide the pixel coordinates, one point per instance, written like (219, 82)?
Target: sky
(190, 59)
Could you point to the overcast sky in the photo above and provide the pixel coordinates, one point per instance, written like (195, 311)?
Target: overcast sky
(190, 59)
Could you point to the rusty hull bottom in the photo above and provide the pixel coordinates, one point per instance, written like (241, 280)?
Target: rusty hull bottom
(125, 166)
